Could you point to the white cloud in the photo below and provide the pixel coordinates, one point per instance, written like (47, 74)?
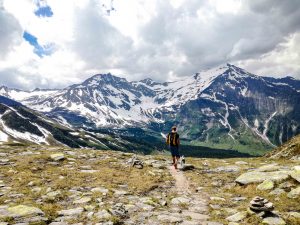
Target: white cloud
(146, 38)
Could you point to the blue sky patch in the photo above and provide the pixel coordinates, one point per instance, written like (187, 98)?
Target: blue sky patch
(44, 11)
(38, 49)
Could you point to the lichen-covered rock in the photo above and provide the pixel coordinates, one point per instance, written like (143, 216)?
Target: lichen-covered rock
(266, 185)
(82, 200)
(258, 177)
(171, 218)
(70, 212)
(273, 221)
(294, 193)
(103, 214)
(57, 156)
(180, 200)
(237, 217)
(23, 210)
(296, 175)
(269, 168)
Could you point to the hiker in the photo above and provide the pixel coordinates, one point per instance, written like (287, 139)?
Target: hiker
(173, 141)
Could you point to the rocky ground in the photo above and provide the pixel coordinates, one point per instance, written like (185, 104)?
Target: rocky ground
(57, 186)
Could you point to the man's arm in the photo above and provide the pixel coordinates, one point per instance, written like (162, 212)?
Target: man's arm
(178, 140)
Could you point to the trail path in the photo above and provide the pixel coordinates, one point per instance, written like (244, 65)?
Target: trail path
(196, 202)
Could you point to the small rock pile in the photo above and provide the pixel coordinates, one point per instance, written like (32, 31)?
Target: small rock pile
(259, 204)
(264, 209)
(135, 162)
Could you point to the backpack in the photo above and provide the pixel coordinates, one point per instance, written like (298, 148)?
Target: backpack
(172, 139)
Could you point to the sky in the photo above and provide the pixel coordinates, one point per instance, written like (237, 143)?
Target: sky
(55, 43)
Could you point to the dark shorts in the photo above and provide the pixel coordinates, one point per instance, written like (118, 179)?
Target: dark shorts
(174, 151)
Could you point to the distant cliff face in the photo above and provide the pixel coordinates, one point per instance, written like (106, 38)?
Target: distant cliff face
(226, 107)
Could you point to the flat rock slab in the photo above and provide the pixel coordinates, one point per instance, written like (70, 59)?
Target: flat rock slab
(266, 185)
(228, 169)
(180, 200)
(273, 221)
(57, 156)
(170, 218)
(70, 212)
(296, 175)
(83, 200)
(19, 211)
(237, 217)
(269, 168)
(295, 193)
(259, 177)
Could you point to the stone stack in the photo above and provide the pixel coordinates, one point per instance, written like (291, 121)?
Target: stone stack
(259, 204)
(135, 162)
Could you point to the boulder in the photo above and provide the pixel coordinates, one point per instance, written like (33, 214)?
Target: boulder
(171, 218)
(57, 156)
(23, 210)
(266, 185)
(82, 200)
(269, 168)
(180, 200)
(258, 177)
(294, 193)
(103, 214)
(70, 212)
(228, 169)
(237, 217)
(295, 175)
(273, 221)
(277, 191)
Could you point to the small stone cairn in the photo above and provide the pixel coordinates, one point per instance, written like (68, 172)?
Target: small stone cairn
(259, 204)
(135, 162)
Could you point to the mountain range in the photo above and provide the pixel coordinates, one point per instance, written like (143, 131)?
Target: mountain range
(224, 107)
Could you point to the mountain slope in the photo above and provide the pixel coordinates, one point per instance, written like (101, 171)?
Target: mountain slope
(224, 107)
(289, 150)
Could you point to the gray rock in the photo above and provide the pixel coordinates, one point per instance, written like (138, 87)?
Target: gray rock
(277, 191)
(89, 171)
(83, 200)
(100, 189)
(170, 218)
(295, 175)
(119, 210)
(228, 169)
(266, 185)
(294, 214)
(213, 198)
(237, 217)
(120, 193)
(180, 200)
(103, 214)
(294, 193)
(19, 211)
(57, 156)
(269, 168)
(241, 163)
(258, 177)
(58, 223)
(273, 221)
(71, 212)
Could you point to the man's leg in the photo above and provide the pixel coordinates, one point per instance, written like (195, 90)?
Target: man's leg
(174, 160)
(177, 160)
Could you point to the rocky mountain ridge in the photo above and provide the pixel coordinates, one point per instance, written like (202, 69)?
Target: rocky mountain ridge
(224, 107)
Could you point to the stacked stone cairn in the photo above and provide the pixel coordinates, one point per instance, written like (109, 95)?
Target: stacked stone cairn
(261, 206)
(135, 162)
